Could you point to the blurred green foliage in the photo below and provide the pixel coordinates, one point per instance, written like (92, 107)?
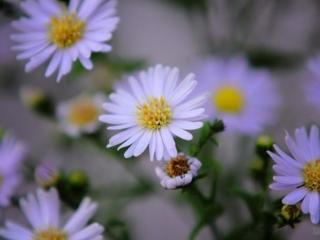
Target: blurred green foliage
(189, 4)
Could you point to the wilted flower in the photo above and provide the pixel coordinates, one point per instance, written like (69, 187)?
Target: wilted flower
(155, 109)
(299, 172)
(80, 115)
(43, 213)
(64, 34)
(11, 156)
(243, 97)
(178, 171)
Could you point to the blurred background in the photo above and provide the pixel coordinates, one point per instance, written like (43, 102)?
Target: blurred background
(278, 35)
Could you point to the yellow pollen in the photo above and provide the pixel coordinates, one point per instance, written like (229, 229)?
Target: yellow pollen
(311, 175)
(228, 99)
(66, 30)
(154, 114)
(50, 234)
(82, 112)
(177, 166)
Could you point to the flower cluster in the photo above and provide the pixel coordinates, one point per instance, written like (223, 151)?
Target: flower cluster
(156, 110)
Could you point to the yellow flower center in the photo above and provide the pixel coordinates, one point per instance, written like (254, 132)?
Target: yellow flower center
(154, 114)
(177, 166)
(311, 175)
(228, 99)
(50, 234)
(66, 30)
(82, 112)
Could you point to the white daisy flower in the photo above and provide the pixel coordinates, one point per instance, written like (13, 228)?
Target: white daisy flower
(299, 171)
(43, 213)
(244, 98)
(178, 171)
(81, 114)
(155, 109)
(11, 155)
(63, 34)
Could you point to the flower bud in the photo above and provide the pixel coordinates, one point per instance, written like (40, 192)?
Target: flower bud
(46, 175)
(2, 133)
(37, 100)
(78, 179)
(263, 144)
(290, 212)
(289, 215)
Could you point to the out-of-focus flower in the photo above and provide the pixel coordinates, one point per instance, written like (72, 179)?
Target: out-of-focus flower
(80, 115)
(178, 171)
(43, 213)
(311, 88)
(47, 174)
(63, 34)
(11, 156)
(243, 97)
(299, 172)
(155, 109)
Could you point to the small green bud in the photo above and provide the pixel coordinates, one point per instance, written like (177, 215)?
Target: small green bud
(78, 179)
(73, 187)
(289, 215)
(37, 100)
(2, 133)
(264, 143)
(290, 212)
(218, 126)
(257, 165)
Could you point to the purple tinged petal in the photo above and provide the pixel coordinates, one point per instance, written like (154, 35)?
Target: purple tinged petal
(295, 196)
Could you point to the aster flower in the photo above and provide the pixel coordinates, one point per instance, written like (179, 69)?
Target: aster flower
(154, 110)
(311, 88)
(63, 34)
(80, 115)
(11, 156)
(299, 171)
(178, 171)
(244, 98)
(43, 213)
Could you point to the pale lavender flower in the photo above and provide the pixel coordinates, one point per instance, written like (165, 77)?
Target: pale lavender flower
(299, 172)
(243, 97)
(11, 156)
(155, 108)
(63, 34)
(43, 213)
